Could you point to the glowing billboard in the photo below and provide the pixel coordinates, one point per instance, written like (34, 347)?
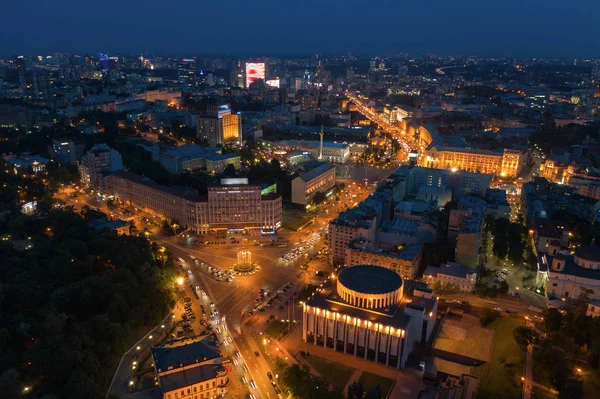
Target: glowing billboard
(254, 71)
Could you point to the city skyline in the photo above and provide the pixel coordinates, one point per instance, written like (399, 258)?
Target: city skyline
(470, 28)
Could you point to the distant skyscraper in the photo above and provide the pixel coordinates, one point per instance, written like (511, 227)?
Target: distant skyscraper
(104, 61)
(220, 126)
(186, 73)
(254, 71)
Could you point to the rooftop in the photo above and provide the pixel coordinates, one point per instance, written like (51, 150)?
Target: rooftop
(319, 170)
(449, 269)
(370, 279)
(185, 378)
(184, 353)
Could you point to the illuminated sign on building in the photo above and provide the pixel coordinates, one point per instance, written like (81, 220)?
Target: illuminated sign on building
(254, 71)
(273, 83)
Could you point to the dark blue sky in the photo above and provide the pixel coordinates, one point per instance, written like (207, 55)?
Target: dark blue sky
(478, 27)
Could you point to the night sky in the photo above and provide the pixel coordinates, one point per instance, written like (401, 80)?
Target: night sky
(474, 27)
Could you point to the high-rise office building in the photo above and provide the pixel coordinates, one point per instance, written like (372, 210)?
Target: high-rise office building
(64, 151)
(186, 73)
(219, 125)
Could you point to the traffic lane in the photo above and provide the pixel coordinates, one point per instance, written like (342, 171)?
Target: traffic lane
(260, 368)
(476, 301)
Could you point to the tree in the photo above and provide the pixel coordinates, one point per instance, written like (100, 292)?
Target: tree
(373, 393)
(553, 319)
(487, 316)
(319, 197)
(229, 170)
(524, 336)
(355, 390)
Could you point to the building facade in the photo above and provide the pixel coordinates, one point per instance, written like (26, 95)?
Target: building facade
(405, 262)
(508, 163)
(98, 161)
(220, 126)
(320, 178)
(190, 369)
(64, 151)
(451, 275)
(233, 203)
(370, 312)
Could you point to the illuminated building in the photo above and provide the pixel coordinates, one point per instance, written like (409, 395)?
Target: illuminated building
(176, 159)
(372, 313)
(556, 172)
(359, 222)
(318, 177)
(100, 159)
(568, 276)
(232, 203)
(254, 72)
(64, 151)
(405, 261)
(451, 275)
(25, 163)
(220, 126)
(508, 163)
(186, 73)
(190, 369)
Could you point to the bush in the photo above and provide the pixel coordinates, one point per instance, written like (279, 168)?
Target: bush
(487, 316)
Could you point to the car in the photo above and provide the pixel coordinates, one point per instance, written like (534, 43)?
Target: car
(252, 384)
(189, 272)
(267, 322)
(186, 299)
(238, 354)
(244, 380)
(270, 375)
(245, 368)
(256, 354)
(271, 317)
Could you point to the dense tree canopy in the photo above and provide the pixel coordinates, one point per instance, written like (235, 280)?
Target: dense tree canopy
(70, 305)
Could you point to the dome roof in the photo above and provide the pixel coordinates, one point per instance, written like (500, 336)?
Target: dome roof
(588, 252)
(370, 279)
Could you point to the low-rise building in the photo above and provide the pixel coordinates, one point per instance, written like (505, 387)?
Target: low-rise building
(568, 276)
(98, 161)
(26, 163)
(190, 369)
(451, 275)
(405, 261)
(176, 159)
(318, 177)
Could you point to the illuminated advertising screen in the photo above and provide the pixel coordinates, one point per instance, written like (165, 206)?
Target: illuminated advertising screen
(254, 71)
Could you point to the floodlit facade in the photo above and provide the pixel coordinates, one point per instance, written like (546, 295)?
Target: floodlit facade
(321, 177)
(231, 204)
(220, 126)
(370, 312)
(508, 163)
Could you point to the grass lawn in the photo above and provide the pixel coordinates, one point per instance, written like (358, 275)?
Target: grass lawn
(370, 380)
(275, 328)
(293, 220)
(336, 374)
(501, 378)
(305, 293)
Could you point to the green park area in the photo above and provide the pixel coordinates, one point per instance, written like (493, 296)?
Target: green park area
(276, 328)
(501, 377)
(294, 219)
(336, 374)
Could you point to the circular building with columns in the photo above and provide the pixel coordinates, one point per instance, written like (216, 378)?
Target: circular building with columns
(369, 287)
(370, 312)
